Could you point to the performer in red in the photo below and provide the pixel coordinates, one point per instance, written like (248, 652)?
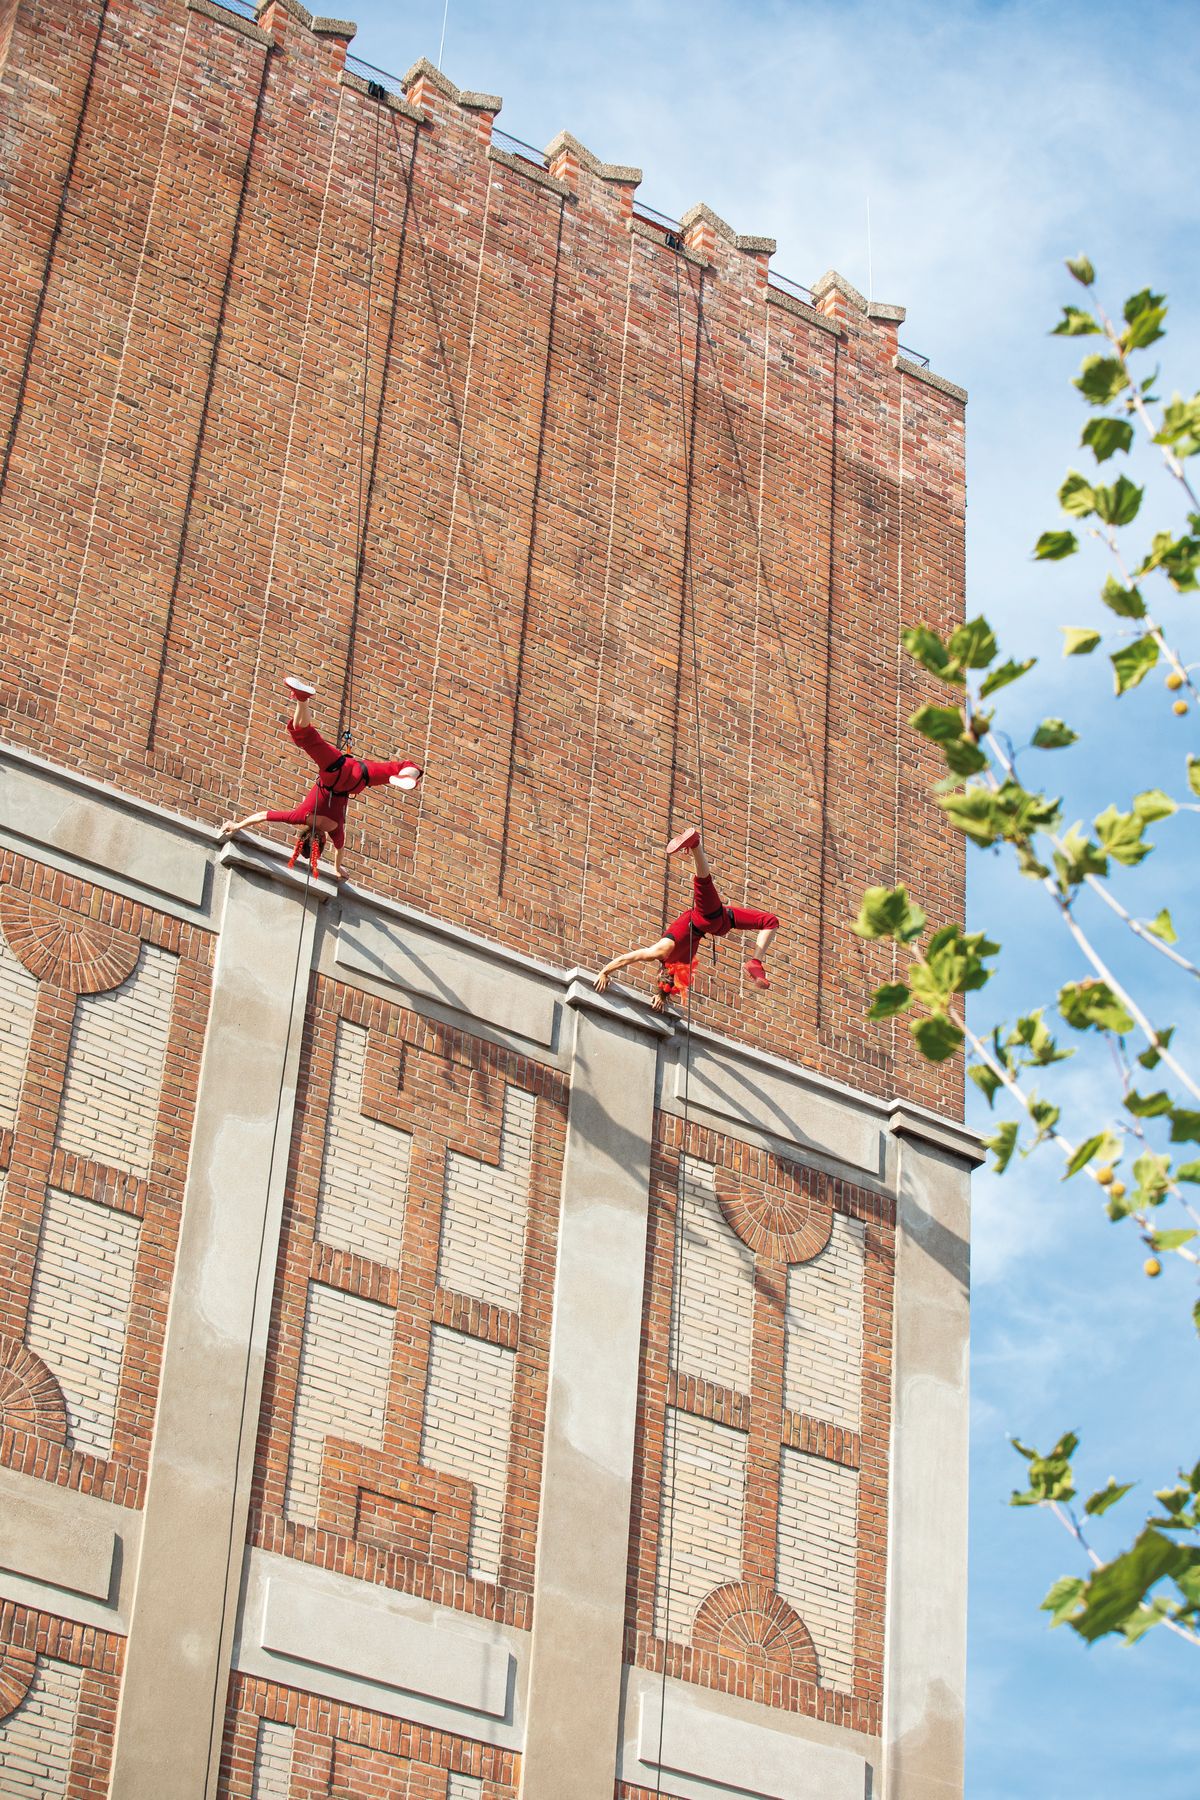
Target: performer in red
(708, 916)
(322, 812)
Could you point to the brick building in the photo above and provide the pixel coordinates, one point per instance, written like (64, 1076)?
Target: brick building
(419, 1374)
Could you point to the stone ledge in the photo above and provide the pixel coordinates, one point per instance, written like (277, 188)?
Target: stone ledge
(468, 98)
(531, 172)
(920, 373)
(339, 28)
(622, 1006)
(643, 229)
(906, 1119)
(245, 27)
(395, 102)
(880, 309)
(621, 172)
(262, 856)
(475, 102)
(703, 214)
(788, 303)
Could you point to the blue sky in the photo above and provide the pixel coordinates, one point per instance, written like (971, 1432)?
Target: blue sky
(992, 140)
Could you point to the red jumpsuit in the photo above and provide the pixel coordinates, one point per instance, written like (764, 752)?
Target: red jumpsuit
(329, 797)
(707, 916)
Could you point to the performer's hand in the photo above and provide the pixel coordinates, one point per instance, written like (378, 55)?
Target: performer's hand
(602, 980)
(659, 1003)
(229, 827)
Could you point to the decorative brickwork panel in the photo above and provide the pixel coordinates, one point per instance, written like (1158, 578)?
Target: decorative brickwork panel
(334, 1751)
(468, 1417)
(79, 1310)
(705, 1463)
(345, 1357)
(18, 999)
(273, 1761)
(823, 1356)
(37, 1739)
(816, 1558)
(714, 1327)
(364, 1174)
(402, 1423)
(483, 1219)
(115, 1067)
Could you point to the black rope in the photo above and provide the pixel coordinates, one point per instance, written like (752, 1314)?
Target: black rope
(346, 736)
(262, 1240)
(687, 437)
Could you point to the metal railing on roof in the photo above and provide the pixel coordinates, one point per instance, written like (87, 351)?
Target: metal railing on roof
(652, 214)
(515, 146)
(245, 9)
(370, 72)
(913, 355)
(791, 287)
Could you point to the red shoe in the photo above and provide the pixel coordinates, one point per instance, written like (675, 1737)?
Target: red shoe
(756, 973)
(303, 690)
(687, 840)
(407, 778)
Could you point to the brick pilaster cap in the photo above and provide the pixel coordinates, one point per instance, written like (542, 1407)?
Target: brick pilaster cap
(339, 28)
(587, 159)
(423, 69)
(700, 214)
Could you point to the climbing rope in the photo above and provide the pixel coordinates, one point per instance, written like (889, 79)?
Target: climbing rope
(230, 1549)
(346, 736)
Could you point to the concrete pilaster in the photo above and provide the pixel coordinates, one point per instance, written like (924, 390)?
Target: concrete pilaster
(925, 1653)
(587, 1475)
(176, 1674)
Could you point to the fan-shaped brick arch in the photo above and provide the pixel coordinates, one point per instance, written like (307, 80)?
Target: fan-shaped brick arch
(18, 1666)
(65, 948)
(749, 1622)
(788, 1216)
(30, 1398)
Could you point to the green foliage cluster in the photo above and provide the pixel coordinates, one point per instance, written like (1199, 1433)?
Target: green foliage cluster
(1132, 1149)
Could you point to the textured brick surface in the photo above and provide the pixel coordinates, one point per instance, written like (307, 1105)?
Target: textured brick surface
(823, 1331)
(364, 1173)
(115, 1066)
(482, 1249)
(815, 1563)
(345, 1356)
(714, 1305)
(707, 1464)
(79, 1310)
(466, 1429)
(18, 998)
(36, 1740)
(273, 1761)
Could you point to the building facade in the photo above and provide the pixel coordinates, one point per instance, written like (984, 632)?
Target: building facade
(419, 1374)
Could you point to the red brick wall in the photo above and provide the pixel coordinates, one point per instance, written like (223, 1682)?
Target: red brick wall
(182, 398)
(29, 1638)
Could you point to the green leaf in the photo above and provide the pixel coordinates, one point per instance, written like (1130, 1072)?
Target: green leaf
(1002, 1143)
(1115, 1591)
(973, 645)
(973, 812)
(1106, 436)
(1082, 270)
(1075, 496)
(1181, 426)
(1148, 1106)
(1077, 857)
(1063, 1598)
(1162, 927)
(1032, 1034)
(1127, 603)
(942, 724)
(1053, 734)
(888, 1000)
(1185, 1125)
(1075, 322)
(1103, 1147)
(1179, 558)
(1093, 1005)
(927, 648)
(1049, 1476)
(1106, 1496)
(1151, 1056)
(937, 1037)
(1153, 1176)
(964, 756)
(1196, 1316)
(1052, 546)
(1170, 1240)
(1123, 836)
(888, 912)
(1133, 662)
(1045, 1116)
(1144, 314)
(1193, 774)
(1153, 804)
(1189, 1171)
(1100, 379)
(1006, 672)
(1078, 640)
(1119, 504)
(986, 1080)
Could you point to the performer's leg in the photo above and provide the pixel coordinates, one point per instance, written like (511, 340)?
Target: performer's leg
(766, 924)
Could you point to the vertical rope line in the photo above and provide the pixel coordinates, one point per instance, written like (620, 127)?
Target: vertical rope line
(608, 561)
(297, 384)
(346, 729)
(688, 436)
(130, 315)
(899, 670)
(262, 1240)
(458, 462)
(677, 1252)
(758, 573)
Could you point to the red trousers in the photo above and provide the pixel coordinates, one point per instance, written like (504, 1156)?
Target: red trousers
(708, 916)
(329, 798)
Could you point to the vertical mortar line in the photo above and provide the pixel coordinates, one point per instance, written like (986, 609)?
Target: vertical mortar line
(39, 308)
(895, 1023)
(758, 573)
(458, 461)
(519, 672)
(826, 829)
(206, 402)
(120, 374)
(291, 432)
(608, 560)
